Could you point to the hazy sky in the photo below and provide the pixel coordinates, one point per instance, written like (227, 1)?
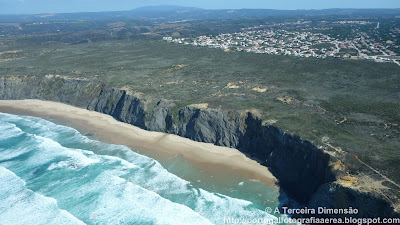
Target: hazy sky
(56, 6)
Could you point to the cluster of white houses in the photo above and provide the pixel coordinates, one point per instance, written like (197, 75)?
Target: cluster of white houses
(296, 43)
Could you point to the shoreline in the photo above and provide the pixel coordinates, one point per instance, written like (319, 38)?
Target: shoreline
(156, 145)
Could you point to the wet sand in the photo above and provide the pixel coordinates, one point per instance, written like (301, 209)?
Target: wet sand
(153, 144)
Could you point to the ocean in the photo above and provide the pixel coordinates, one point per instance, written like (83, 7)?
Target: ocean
(53, 174)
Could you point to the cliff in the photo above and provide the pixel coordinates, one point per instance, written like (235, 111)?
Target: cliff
(305, 172)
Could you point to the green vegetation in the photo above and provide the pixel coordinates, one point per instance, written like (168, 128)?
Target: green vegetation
(324, 45)
(353, 103)
(349, 104)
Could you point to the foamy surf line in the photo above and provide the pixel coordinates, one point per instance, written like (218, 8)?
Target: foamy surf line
(152, 143)
(19, 205)
(52, 174)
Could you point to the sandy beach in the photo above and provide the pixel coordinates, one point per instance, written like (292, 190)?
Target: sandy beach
(153, 144)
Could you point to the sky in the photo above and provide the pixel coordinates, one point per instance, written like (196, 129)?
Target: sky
(60, 6)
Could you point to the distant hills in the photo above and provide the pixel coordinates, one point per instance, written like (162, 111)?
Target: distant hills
(166, 8)
(165, 13)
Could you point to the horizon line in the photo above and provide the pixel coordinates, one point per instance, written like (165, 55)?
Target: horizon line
(102, 11)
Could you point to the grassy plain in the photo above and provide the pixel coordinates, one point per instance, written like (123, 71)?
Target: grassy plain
(352, 105)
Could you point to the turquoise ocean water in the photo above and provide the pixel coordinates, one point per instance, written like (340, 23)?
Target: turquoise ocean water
(52, 174)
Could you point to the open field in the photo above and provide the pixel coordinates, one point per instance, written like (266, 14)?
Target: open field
(344, 105)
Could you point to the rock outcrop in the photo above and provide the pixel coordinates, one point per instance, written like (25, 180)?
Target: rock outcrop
(302, 169)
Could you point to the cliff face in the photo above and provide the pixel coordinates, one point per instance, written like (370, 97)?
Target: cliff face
(370, 204)
(302, 169)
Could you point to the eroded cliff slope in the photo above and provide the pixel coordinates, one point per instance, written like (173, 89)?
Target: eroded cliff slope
(305, 172)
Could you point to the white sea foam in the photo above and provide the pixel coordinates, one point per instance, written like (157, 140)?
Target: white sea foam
(9, 130)
(104, 183)
(20, 205)
(118, 201)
